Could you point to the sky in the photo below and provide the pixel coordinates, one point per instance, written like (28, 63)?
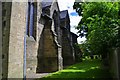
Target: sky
(74, 17)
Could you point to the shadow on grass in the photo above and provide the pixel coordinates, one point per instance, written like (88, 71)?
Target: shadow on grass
(90, 70)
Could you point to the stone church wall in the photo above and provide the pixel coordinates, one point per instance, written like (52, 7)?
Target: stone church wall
(13, 30)
(48, 49)
(6, 16)
(0, 40)
(16, 41)
(33, 43)
(48, 58)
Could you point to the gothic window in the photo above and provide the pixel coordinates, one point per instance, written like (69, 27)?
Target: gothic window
(31, 19)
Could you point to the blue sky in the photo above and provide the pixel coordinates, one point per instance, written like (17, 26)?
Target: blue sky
(73, 14)
(74, 18)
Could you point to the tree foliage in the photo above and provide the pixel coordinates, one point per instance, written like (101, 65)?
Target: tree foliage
(100, 24)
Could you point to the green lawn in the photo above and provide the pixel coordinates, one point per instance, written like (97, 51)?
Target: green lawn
(88, 69)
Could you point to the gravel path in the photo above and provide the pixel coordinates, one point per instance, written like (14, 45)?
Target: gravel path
(34, 76)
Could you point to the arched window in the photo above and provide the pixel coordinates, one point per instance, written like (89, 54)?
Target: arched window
(31, 19)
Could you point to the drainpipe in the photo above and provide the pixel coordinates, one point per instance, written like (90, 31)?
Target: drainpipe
(24, 63)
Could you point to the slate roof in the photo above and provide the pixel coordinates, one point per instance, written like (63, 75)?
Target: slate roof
(63, 14)
(46, 3)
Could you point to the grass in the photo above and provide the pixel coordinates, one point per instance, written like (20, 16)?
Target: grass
(88, 69)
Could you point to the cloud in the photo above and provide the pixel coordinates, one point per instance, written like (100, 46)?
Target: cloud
(80, 40)
(62, 4)
(65, 4)
(68, 5)
(74, 20)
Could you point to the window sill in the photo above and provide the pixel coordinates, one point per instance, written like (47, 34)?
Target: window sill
(30, 38)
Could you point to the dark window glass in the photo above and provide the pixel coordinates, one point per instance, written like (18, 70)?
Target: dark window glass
(30, 19)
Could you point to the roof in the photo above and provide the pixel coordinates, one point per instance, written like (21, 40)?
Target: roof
(46, 3)
(63, 14)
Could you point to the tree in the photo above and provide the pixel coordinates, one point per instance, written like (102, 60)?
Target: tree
(100, 24)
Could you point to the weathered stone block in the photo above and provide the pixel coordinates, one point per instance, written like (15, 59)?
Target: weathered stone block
(16, 41)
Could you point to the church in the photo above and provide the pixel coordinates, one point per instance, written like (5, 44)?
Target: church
(36, 39)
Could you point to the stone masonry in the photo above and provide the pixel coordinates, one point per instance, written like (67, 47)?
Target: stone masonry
(15, 64)
(6, 8)
(44, 47)
(67, 51)
(0, 40)
(32, 42)
(76, 50)
(49, 58)
(13, 23)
